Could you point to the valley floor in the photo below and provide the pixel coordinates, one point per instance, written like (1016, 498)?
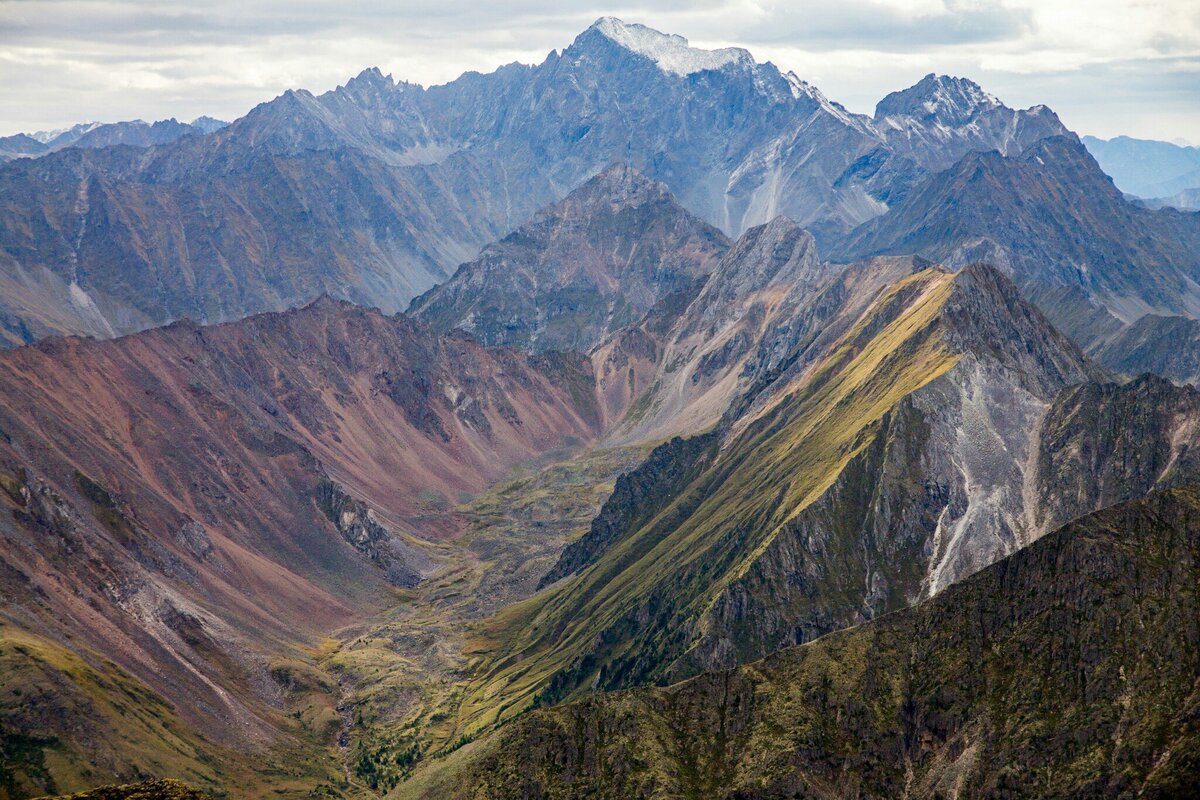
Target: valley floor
(398, 677)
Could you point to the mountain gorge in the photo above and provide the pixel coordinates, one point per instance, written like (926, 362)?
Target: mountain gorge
(639, 423)
(188, 504)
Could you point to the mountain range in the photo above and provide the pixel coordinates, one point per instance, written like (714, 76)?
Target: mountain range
(377, 190)
(640, 423)
(96, 134)
(1146, 168)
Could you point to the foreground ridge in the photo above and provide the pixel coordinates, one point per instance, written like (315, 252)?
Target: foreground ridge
(1066, 669)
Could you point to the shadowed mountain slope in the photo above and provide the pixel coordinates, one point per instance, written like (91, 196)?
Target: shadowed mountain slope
(1052, 220)
(1166, 345)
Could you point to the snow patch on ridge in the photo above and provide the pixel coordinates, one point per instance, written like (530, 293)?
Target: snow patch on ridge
(670, 51)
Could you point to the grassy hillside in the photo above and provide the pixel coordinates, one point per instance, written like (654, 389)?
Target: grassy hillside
(1067, 670)
(631, 615)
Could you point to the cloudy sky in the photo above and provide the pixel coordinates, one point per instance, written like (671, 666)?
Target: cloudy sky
(1107, 66)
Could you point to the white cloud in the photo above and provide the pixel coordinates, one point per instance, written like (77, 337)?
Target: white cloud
(1107, 66)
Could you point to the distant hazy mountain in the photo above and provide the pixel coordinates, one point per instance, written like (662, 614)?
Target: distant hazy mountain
(95, 134)
(1147, 168)
(208, 124)
(375, 191)
(1187, 200)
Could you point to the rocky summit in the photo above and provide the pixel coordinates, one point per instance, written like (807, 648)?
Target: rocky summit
(637, 423)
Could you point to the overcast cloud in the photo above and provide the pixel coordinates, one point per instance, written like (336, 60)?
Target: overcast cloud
(1107, 66)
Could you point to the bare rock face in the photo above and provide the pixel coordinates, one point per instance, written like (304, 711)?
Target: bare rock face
(752, 298)
(377, 190)
(1104, 443)
(589, 265)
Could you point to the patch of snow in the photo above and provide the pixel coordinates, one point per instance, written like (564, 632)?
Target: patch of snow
(670, 51)
(45, 137)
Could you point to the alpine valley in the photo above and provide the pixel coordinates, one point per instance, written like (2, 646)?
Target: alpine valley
(636, 424)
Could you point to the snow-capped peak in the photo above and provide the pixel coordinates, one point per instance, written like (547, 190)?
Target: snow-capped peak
(670, 51)
(46, 137)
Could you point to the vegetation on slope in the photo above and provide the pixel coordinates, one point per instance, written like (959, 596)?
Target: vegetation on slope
(634, 612)
(397, 675)
(1068, 669)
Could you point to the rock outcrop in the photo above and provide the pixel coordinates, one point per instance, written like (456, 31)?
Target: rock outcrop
(580, 270)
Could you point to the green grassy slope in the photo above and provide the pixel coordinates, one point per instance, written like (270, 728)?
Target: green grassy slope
(1068, 669)
(633, 613)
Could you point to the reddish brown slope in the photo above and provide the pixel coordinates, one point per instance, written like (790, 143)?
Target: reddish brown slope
(186, 500)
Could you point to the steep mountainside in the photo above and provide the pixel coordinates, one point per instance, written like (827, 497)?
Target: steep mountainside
(593, 263)
(770, 301)
(376, 191)
(1050, 218)
(1067, 670)
(1167, 346)
(903, 458)
(1103, 443)
(791, 532)
(18, 146)
(187, 510)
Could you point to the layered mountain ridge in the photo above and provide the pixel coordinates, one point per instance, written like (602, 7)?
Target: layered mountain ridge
(375, 191)
(135, 133)
(586, 267)
(698, 367)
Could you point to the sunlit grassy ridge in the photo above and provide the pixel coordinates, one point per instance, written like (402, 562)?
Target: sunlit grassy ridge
(629, 616)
